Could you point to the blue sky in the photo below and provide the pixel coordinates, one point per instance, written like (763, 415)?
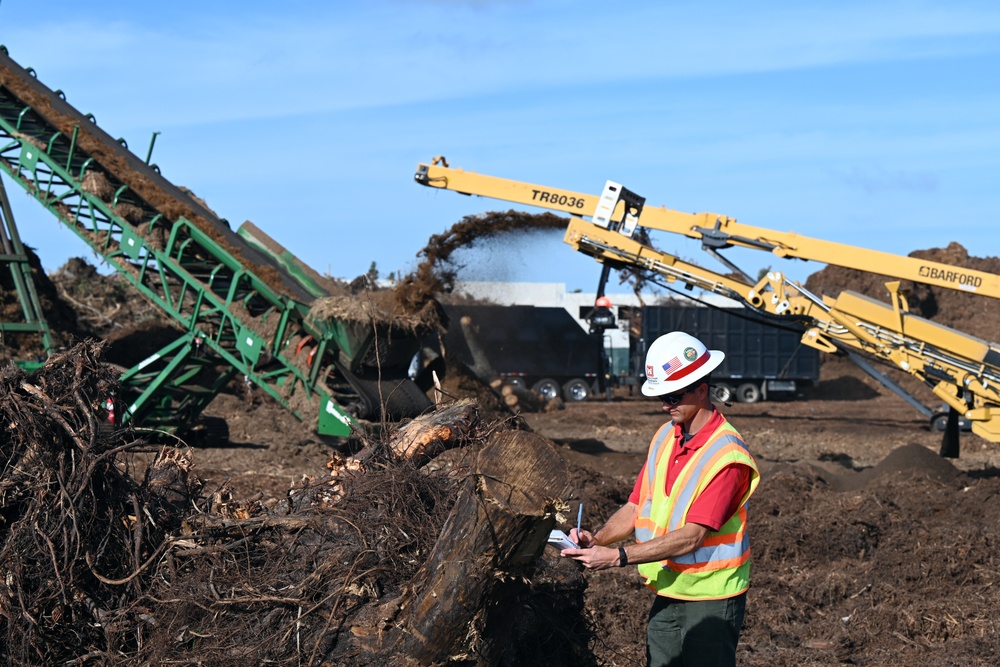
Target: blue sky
(875, 124)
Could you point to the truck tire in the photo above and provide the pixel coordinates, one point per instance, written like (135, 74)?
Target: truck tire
(939, 422)
(576, 390)
(548, 388)
(403, 398)
(515, 381)
(724, 391)
(748, 392)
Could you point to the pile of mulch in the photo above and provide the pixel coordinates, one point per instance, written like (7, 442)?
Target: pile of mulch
(105, 304)
(895, 564)
(61, 316)
(375, 307)
(81, 303)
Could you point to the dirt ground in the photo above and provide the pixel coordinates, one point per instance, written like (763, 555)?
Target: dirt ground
(868, 548)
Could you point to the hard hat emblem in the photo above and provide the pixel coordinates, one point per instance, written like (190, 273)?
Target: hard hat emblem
(649, 371)
(671, 365)
(690, 354)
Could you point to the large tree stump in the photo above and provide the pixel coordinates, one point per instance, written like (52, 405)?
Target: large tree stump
(498, 527)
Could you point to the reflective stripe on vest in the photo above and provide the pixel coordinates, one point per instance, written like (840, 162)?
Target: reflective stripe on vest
(658, 447)
(720, 566)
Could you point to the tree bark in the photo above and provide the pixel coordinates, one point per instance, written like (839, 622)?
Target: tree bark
(498, 527)
(428, 435)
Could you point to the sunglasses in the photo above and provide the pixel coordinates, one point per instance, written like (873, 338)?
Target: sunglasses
(674, 399)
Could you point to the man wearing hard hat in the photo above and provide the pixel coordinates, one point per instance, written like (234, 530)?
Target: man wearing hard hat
(688, 512)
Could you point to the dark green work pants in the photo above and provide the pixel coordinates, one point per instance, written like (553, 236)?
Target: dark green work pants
(702, 633)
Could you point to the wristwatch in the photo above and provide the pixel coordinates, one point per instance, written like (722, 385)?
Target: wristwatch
(622, 557)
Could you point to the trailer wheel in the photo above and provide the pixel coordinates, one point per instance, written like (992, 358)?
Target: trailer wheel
(402, 398)
(576, 390)
(724, 391)
(939, 423)
(548, 388)
(748, 392)
(515, 381)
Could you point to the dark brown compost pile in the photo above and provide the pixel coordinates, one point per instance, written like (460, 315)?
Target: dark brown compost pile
(60, 315)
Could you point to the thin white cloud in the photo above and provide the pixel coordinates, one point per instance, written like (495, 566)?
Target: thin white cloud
(875, 181)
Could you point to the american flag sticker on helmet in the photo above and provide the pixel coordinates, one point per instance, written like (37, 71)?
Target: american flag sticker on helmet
(671, 365)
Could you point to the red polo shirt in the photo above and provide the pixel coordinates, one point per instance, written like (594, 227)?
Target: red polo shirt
(721, 498)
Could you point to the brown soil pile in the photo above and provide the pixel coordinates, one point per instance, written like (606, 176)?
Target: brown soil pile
(104, 304)
(879, 570)
(80, 304)
(61, 317)
(79, 300)
(970, 313)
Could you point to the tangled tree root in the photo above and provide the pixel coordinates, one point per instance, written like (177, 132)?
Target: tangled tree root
(99, 564)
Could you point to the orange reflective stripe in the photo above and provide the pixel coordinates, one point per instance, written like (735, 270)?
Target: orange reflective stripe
(693, 568)
(723, 538)
(648, 524)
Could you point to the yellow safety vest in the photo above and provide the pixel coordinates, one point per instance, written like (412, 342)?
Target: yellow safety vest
(720, 567)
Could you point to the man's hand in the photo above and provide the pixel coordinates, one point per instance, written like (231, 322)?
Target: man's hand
(584, 538)
(592, 558)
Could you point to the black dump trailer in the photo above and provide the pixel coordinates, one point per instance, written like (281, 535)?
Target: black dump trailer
(761, 360)
(540, 348)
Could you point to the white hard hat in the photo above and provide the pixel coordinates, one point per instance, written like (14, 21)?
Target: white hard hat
(677, 360)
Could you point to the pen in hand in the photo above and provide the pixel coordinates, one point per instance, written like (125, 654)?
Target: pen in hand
(579, 519)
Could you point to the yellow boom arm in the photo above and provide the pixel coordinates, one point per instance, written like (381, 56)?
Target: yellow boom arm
(718, 231)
